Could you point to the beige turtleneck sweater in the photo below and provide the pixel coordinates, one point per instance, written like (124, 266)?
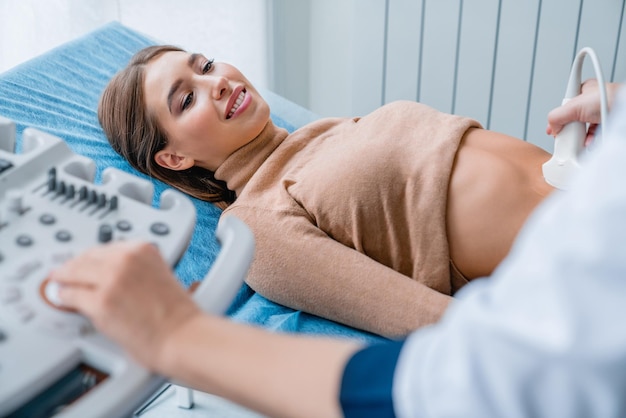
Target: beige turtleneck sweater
(349, 215)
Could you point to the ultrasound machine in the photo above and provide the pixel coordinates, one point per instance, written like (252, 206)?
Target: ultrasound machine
(53, 362)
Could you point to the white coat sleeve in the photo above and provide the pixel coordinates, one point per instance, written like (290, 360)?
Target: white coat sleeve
(545, 335)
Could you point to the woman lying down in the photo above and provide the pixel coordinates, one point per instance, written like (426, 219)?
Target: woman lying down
(371, 221)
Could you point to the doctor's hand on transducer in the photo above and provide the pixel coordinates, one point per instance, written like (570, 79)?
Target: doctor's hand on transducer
(582, 108)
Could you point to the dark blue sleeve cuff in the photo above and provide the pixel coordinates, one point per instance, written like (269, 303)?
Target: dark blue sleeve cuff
(367, 381)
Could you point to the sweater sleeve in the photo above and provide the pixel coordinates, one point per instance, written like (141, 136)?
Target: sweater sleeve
(298, 265)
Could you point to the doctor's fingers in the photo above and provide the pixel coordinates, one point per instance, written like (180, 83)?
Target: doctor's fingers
(109, 263)
(579, 109)
(76, 298)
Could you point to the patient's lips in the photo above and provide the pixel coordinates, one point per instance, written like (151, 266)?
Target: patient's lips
(238, 102)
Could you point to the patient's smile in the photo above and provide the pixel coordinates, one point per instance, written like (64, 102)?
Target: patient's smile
(238, 103)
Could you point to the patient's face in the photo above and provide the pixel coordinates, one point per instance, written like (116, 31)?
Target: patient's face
(208, 110)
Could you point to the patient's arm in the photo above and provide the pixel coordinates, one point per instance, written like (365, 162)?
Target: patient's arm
(299, 266)
(496, 183)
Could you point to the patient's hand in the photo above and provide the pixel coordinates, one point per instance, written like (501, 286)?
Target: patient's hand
(129, 293)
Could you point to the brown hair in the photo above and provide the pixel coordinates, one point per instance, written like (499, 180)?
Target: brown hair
(136, 135)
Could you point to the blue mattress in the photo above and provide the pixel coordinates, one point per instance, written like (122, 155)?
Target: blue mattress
(58, 92)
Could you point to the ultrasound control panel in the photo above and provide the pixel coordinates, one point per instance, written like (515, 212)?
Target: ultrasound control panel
(53, 362)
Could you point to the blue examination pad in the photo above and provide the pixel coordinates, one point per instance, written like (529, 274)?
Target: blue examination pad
(58, 93)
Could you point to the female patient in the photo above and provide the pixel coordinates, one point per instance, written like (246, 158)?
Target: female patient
(373, 222)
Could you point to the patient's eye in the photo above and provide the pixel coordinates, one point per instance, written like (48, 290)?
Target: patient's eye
(187, 101)
(208, 66)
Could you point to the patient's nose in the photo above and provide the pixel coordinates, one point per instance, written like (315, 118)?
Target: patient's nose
(219, 87)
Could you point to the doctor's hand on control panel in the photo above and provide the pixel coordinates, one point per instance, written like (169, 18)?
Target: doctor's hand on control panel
(131, 295)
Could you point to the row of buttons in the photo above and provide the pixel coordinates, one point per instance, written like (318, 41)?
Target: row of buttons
(105, 232)
(68, 190)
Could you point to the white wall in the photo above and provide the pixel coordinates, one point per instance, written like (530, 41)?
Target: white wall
(30, 27)
(232, 31)
(314, 54)
(502, 62)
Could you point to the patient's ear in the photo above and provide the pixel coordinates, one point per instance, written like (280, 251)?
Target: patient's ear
(171, 161)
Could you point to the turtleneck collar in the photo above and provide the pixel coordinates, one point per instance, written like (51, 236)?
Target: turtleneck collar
(241, 165)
